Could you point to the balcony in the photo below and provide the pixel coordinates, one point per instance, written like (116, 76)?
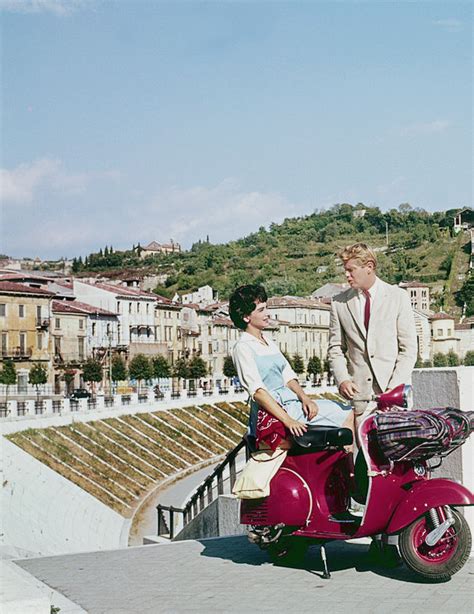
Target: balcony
(42, 323)
(17, 353)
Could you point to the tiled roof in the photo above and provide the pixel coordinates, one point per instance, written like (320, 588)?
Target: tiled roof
(441, 315)
(125, 292)
(296, 301)
(13, 287)
(80, 308)
(412, 284)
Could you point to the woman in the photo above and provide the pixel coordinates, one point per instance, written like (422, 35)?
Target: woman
(279, 404)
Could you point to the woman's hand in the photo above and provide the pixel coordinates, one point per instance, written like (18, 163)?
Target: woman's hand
(296, 428)
(310, 407)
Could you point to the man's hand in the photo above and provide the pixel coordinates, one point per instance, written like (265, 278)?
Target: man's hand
(348, 389)
(310, 407)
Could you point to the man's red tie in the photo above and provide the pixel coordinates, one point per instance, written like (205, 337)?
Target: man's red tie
(366, 309)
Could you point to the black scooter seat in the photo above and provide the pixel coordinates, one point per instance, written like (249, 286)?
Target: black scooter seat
(319, 438)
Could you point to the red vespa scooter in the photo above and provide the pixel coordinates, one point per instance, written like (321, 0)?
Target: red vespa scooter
(310, 495)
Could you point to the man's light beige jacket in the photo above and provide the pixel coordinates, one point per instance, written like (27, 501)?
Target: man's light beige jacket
(383, 356)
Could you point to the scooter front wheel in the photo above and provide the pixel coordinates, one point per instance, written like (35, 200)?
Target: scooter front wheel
(441, 561)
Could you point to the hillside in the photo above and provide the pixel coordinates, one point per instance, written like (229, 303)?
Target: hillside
(298, 255)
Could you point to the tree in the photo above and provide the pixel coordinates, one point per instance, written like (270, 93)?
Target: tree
(119, 368)
(469, 358)
(92, 371)
(181, 369)
(229, 367)
(38, 376)
(419, 362)
(440, 360)
(298, 364)
(140, 368)
(161, 367)
(314, 366)
(453, 359)
(427, 364)
(68, 377)
(8, 375)
(197, 367)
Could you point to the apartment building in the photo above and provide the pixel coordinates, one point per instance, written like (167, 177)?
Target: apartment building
(25, 314)
(135, 311)
(303, 325)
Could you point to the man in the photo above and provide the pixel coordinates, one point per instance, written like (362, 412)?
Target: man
(372, 348)
(372, 336)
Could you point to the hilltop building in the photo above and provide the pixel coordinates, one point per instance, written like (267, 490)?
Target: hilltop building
(154, 248)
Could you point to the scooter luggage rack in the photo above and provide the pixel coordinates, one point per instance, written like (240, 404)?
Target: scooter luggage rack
(444, 431)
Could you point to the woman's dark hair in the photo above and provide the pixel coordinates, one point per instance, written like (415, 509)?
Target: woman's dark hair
(242, 302)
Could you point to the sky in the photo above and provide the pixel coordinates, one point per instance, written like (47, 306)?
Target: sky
(136, 121)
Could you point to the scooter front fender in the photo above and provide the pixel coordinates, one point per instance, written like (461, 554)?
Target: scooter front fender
(423, 496)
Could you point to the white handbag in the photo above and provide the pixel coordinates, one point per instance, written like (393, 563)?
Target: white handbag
(254, 481)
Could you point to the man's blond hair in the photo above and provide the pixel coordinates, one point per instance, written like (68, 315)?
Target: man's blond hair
(359, 252)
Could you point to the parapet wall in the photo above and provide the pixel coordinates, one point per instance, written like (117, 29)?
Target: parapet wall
(46, 514)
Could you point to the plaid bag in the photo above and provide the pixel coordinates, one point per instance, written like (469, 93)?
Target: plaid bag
(422, 433)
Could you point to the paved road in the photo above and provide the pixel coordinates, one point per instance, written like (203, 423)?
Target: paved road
(230, 575)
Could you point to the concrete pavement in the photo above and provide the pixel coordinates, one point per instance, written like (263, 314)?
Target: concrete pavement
(231, 575)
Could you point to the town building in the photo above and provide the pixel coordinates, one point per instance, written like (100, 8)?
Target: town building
(25, 316)
(135, 310)
(304, 328)
(79, 332)
(203, 296)
(419, 295)
(443, 334)
(465, 332)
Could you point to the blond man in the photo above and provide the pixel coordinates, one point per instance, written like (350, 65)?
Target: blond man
(372, 336)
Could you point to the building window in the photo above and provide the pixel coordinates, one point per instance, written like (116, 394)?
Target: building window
(80, 347)
(3, 310)
(118, 306)
(22, 343)
(94, 326)
(57, 345)
(209, 349)
(450, 332)
(81, 324)
(439, 332)
(57, 323)
(108, 329)
(130, 308)
(39, 341)
(21, 311)
(4, 344)
(138, 307)
(147, 308)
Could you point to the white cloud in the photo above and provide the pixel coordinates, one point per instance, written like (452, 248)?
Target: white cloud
(56, 7)
(20, 185)
(223, 212)
(450, 25)
(425, 128)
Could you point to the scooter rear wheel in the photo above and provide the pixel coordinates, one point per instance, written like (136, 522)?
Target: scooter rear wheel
(439, 562)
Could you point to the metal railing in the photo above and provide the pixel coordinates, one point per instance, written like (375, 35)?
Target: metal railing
(203, 495)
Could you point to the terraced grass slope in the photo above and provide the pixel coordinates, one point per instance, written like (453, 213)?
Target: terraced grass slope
(119, 460)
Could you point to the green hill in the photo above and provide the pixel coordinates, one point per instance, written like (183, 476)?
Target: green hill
(299, 255)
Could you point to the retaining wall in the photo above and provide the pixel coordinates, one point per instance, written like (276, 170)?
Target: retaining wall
(46, 514)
